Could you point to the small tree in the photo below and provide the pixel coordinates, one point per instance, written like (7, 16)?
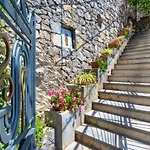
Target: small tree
(143, 5)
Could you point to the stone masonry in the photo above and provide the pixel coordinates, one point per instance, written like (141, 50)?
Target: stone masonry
(54, 70)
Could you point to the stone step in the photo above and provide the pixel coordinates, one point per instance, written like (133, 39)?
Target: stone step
(129, 49)
(127, 86)
(133, 66)
(125, 97)
(140, 60)
(122, 104)
(120, 78)
(96, 138)
(127, 127)
(77, 146)
(135, 52)
(124, 110)
(134, 72)
(135, 56)
(138, 43)
(90, 134)
(140, 37)
(131, 46)
(146, 38)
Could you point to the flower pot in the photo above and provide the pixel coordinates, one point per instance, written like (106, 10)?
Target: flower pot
(94, 64)
(64, 124)
(121, 33)
(59, 108)
(112, 45)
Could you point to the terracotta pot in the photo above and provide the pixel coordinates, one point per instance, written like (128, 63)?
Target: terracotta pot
(94, 64)
(60, 108)
(121, 33)
(112, 45)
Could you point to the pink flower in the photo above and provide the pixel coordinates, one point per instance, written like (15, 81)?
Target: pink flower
(63, 91)
(81, 103)
(54, 92)
(58, 91)
(74, 99)
(56, 105)
(53, 96)
(80, 108)
(64, 100)
(51, 93)
(61, 98)
(69, 91)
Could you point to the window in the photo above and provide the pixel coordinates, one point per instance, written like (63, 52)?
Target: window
(68, 38)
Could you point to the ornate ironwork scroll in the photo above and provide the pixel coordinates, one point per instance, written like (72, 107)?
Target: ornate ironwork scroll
(4, 76)
(17, 119)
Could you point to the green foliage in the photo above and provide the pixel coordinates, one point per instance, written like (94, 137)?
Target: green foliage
(107, 51)
(40, 125)
(143, 5)
(64, 99)
(86, 78)
(102, 63)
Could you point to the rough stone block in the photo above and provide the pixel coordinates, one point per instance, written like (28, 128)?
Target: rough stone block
(65, 124)
(56, 27)
(56, 39)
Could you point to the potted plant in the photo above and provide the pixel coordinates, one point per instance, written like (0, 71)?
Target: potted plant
(87, 84)
(125, 31)
(66, 115)
(102, 63)
(107, 52)
(85, 78)
(64, 99)
(94, 64)
(116, 43)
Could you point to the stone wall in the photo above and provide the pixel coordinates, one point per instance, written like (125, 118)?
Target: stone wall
(54, 69)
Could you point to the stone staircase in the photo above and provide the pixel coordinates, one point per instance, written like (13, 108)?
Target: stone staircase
(120, 118)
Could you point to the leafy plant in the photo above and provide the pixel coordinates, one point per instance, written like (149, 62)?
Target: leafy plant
(116, 43)
(65, 99)
(107, 51)
(40, 125)
(121, 38)
(85, 78)
(125, 32)
(102, 63)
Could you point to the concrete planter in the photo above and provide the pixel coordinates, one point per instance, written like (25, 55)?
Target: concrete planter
(88, 92)
(64, 124)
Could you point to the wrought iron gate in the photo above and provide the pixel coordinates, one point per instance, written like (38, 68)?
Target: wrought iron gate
(17, 117)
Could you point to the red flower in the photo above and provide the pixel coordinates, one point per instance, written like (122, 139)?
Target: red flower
(102, 56)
